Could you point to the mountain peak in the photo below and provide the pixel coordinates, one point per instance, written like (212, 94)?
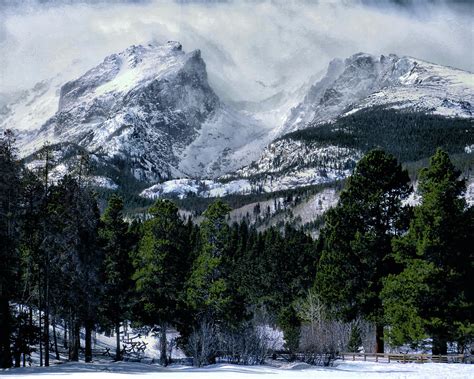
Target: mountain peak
(365, 80)
(122, 72)
(152, 107)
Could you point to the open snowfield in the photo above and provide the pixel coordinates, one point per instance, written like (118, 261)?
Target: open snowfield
(342, 370)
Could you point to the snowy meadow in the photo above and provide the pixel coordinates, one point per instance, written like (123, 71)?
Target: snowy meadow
(341, 370)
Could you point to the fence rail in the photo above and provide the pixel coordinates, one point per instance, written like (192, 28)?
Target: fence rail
(405, 358)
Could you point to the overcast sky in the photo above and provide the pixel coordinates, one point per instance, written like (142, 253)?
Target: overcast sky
(244, 43)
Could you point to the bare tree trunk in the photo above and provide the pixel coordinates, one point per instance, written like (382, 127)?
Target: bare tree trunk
(440, 346)
(17, 356)
(163, 345)
(46, 314)
(76, 341)
(41, 332)
(55, 340)
(379, 343)
(88, 350)
(65, 344)
(70, 337)
(30, 340)
(5, 353)
(46, 280)
(118, 352)
(46, 336)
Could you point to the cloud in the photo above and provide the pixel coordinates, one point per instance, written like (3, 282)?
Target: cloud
(252, 48)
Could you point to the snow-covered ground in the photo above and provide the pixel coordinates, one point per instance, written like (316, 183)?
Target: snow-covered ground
(341, 370)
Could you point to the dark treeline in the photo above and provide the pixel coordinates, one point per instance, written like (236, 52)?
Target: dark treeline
(381, 269)
(409, 136)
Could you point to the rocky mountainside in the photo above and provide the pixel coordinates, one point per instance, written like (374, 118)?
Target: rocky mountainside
(149, 106)
(363, 80)
(327, 153)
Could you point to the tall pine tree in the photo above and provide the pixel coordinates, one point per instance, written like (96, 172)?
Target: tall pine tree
(160, 265)
(431, 296)
(355, 243)
(9, 258)
(208, 289)
(117, 267)
(71, 234)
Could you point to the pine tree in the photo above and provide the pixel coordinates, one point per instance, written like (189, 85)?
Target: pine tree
(209, 294)
(45, 275)
(208, 287)
(9, 259)
(160, 269)
(117, 271)
(431, 296)
(31, 258)
(355, 339)
(355, 242)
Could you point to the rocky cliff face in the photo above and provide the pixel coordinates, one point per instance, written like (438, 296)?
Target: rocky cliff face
(150, 106)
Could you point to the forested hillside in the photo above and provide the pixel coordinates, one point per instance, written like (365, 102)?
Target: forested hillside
(381, 273)
(409, 136)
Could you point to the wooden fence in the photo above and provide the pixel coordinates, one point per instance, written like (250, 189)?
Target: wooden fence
(405, 358)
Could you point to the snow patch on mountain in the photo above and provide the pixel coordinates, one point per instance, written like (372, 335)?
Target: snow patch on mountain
(415, 198)
(58, 171)
(285, 164)
(235, 138)
(182, 188)
(470, 193)
(316, 205)
(291, 155)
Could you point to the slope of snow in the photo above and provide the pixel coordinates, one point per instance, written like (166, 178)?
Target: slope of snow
(26, 111)
(275, 212)
(289, 154)
(285, 164)
(342, 370)
(232, 137)
(470, 193)
(415, 198)
(364, 80)
(317, 205)
(182, 188)
(34, 107)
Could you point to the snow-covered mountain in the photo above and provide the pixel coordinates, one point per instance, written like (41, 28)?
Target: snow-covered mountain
(150, 106)
(152, 109)
(363, 80)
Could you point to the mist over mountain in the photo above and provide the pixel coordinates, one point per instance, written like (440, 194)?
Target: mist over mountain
(253, 49)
